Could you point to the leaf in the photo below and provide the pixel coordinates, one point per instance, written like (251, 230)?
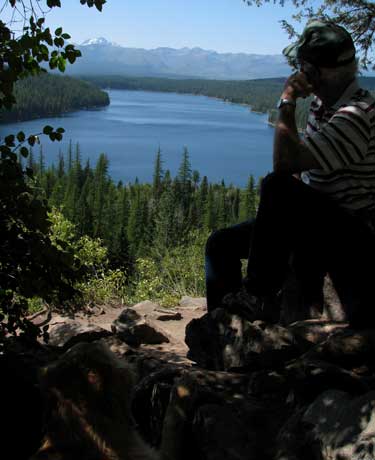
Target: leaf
(31, 140)
(53, 3)
(58, 31)
(9, 140)
(60, 130)
(21, 136)
(47, 130)
(24, 152)
(61, 64)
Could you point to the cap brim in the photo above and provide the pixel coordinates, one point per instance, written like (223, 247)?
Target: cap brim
(291, 51)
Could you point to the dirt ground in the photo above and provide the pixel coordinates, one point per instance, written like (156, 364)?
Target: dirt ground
(173, 351)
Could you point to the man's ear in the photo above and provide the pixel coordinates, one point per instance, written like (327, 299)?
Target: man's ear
(94, 380)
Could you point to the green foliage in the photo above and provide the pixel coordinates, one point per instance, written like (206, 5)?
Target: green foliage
(100, 284)
(30, 264)
(166, 277)
(145, 247)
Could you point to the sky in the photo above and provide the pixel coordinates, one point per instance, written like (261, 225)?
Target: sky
(220, 25)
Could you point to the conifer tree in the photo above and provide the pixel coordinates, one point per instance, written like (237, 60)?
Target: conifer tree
(61, 165)
(100, 186)
(158, 176)
(251, 197)
(210, 221)
(203, 196)
(70, 156)
(84, 223)
(120, 252)
(222, 214)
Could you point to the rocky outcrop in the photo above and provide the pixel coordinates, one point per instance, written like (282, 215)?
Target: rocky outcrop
(304, 390)
(224, 341)
(135, 328)
(67, 333)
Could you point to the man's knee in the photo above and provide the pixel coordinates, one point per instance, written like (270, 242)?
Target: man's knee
(217, 242)
(275, 182)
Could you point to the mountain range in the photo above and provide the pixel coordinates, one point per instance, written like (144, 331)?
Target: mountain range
(100, 56)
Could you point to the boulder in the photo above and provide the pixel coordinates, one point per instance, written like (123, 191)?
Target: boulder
(306, 379)
(196, 303)
(343, 426)
(145, 308)
(313, 331)
(240, 430)
(349, 349)
(164, 314)
(224, 341)
(135, 329)
(69, 332)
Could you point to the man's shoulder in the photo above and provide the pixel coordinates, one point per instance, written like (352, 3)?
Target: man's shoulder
(363, 100)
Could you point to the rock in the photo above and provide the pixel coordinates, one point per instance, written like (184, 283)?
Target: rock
(70, 332)
(307, 379)
(134, 329)
(295, 440)
(268, 385)
(198, 303)
(22, 402)
(348, 349)
(166, 315)
(313, 331)
(150, 401)
(223, 341)
(240, 430)
(343, 426)
(145, 308)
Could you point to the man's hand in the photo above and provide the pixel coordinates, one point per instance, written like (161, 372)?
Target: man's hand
(297, 86)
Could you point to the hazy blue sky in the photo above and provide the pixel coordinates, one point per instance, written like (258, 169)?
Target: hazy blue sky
(221, 25)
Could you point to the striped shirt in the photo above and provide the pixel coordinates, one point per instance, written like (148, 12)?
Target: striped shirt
(342, 140)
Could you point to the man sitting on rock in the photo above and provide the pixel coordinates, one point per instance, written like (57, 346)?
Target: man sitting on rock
(317, 206)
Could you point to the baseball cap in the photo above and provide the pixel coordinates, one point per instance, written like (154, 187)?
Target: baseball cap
(322, 43)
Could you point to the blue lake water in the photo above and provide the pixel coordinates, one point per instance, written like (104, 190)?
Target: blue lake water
(225, 141)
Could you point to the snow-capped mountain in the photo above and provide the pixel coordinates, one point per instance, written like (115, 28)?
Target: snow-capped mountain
(100, 41)
(100, 56)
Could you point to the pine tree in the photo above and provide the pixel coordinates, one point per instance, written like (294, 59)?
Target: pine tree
(84, 224)
(100, 186)
(120, 252)
(136, 227)
(61, 165)
(73, 189)
(157, 176)
(210, 221)
(222, 213)
(70, 156)
(202, 200)
(250, 201)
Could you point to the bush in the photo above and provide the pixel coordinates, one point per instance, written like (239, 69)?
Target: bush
(165, 278)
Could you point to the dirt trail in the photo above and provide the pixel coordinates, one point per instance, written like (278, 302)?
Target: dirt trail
(174, 351)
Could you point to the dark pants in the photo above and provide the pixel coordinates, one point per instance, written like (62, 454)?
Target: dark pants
(293, 218)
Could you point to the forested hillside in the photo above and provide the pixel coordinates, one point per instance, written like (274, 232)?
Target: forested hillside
(153, 235)
(259, 94)
(49, 95)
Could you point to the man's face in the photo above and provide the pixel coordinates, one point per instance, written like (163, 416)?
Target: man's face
(312, 73)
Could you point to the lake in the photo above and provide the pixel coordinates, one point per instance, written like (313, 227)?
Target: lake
(225, 141)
